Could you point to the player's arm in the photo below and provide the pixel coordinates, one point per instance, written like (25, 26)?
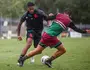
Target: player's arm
(19, 27)
(47, 17)
(51, 17)
(72, 25)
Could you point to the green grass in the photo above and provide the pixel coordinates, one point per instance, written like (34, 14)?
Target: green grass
(77, 56)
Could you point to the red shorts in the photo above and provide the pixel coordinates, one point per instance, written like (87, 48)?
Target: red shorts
(48, 40)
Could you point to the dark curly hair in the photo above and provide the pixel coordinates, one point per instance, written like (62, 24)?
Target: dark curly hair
(30, 4)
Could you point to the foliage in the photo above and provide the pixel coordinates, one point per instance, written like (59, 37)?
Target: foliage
(15, 8)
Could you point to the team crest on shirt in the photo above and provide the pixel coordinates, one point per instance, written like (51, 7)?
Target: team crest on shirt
(35, 16)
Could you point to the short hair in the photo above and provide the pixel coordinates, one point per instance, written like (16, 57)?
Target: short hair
(68, 11)
(30, 4)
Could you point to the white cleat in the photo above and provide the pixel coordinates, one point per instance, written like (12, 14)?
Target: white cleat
(18, 64)
(32, 60)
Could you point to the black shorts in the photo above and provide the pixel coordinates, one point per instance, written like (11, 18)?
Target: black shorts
(35, 35)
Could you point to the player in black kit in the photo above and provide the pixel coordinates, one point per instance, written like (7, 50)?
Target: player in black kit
(34, 23)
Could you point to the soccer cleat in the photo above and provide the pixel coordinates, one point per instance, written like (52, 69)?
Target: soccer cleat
(20, 62)
(32, 59)
(49, 64)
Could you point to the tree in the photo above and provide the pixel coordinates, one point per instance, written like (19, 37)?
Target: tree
(80, 8)
(12, 8)
(15, 8)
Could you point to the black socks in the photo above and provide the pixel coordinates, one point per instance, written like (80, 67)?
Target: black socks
(51, 59)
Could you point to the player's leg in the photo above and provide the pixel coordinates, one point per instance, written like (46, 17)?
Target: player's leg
(27, 46)
(60, 51)
(36, 39)
(36, 51)
(42, 45)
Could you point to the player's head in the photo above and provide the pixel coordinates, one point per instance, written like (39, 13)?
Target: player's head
(30, 7)
(68, 12)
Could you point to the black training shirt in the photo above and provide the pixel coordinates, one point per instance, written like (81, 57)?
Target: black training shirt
(34, 21)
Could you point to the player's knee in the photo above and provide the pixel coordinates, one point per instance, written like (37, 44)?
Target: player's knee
(29, 44)
(64, 50)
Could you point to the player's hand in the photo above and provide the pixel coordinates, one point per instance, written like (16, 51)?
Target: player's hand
(51, 14)
(19, 38)
(88, 31)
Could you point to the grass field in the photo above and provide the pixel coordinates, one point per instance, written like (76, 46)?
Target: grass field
(77, 56)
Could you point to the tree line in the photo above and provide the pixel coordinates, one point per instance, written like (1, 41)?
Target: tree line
(80, 8)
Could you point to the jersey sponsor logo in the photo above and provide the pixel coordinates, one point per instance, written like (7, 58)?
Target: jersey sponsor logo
(29, 15)
(31, 18)
(26, 17)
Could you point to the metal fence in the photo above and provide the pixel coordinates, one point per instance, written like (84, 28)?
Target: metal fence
(8, 28)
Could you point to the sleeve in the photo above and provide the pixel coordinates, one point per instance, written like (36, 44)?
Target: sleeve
(23, 18)
(71, 25)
